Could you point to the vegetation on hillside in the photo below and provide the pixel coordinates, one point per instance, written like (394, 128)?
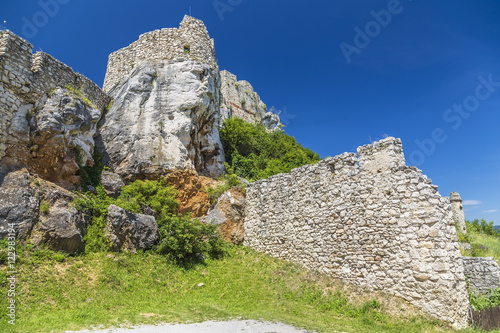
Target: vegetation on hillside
(485, 242)
(56, 292)
(255, 153)
(483, 238)
(182, 238)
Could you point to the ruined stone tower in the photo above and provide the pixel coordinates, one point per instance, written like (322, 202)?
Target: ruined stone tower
(458, 211)
(166, 110)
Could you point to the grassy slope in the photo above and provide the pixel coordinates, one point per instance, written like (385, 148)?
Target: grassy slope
(480, 241)
(126, 288)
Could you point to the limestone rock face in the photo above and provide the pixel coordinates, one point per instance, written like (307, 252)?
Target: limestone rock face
(229, 215)
(41, 213)
(112, 183)
(271, 121)
(240, 100)
(131, 232)
(53, 137)
(165, 116)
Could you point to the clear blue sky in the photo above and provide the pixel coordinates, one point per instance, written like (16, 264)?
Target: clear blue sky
(404, 76)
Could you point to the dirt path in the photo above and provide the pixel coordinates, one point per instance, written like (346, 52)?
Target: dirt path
(232, 326)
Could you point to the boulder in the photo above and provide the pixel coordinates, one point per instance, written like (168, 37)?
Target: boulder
(60, 229)
(229, 215)
(165, 116)
(112, 183)
(19, 204)
(129, 231)
(41, 212)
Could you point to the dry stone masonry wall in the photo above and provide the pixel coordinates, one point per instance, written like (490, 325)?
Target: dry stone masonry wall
(483, 274)
(190, 40)
(368, 219)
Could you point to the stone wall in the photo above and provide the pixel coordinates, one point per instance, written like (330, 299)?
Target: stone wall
(368, 219)
(483, 274)
(26, 78)
(190, 40)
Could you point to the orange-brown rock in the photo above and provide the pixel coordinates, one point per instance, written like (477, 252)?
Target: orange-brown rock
(192, 195)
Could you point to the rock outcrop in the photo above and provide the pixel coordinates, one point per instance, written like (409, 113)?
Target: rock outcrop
(112, 183)
(48, 113)
(53, 137)
(192, 195)
(165, 117)
(130, 232)
(229, 215)
(41, 212)
(240, 100)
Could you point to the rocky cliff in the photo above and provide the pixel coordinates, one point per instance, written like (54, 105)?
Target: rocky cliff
(48, 113)
(240, 100)
(165, 115)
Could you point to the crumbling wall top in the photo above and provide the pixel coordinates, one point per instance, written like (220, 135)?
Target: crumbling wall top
(190, 41)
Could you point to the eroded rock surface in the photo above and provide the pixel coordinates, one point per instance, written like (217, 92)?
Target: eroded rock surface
(165, 116)
(129, 231)
(229, 215)
(41, 212)
(192, 195)
(53, 137)
(240, 100)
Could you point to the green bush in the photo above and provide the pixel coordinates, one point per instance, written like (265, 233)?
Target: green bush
(479, 302)
(228, 179)
(157, 195)
(184, 239)
(91, 175)
(255, 153)
(95, 205)
(482, 227)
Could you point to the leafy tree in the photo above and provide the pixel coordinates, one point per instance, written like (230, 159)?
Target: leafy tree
(482, 227)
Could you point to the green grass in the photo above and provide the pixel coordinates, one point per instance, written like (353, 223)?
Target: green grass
(484, 241)
(55, 294)
(485, 245)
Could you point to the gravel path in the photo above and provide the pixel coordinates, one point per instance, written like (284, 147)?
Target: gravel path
(232, 326)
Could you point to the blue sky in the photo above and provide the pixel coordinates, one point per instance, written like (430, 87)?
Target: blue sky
(345, 73)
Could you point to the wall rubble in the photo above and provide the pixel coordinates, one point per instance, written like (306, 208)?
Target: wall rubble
(369, 220)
